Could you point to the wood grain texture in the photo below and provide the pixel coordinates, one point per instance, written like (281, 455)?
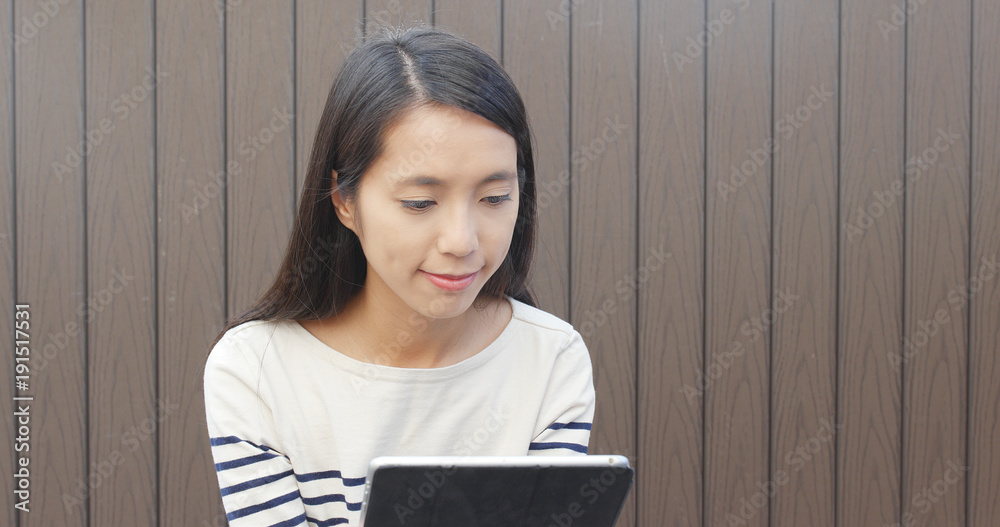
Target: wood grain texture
(804, 297)
(936, 257)
(191, 266)
(738, 264)
(604, 201)
(325, 32)
(8, 423)
(121, 195)
(671, 248)
(479, 21)
(397, 13)
(871, 267)
(984, 285)
(51, 257)
(536, 55)
(260, 146)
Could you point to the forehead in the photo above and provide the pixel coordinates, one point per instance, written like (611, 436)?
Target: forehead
(437, 145)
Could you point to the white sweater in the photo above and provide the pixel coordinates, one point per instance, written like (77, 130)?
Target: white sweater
(294, 423)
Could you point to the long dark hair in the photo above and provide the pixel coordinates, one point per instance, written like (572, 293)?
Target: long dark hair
(383, 78)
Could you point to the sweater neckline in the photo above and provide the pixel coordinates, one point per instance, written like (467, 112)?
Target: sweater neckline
(375, 371)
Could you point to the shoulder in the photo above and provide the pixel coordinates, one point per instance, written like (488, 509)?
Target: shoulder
(242, 347)
(550, 331)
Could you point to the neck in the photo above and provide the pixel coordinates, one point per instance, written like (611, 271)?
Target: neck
(393, 334)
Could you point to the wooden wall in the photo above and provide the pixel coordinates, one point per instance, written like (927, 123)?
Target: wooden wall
(774, 222)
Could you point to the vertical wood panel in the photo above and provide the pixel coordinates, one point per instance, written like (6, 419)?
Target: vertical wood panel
(603, 232)
(476, 20)
(51, 256)
(936, 263)
(984, 285)
(871, 266)
(803, 398)
(260, 145)
(325, 32)
(191, 179)
(381, 13)
(123, 417)
(671, 308)
(536, 54)
(738, 262)
(8, 423)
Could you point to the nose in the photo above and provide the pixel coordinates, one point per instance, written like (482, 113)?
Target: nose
(459, 234)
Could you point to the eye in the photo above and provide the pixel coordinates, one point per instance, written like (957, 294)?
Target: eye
(497, 200)
(416, 204)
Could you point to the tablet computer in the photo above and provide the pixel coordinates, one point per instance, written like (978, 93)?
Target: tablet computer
(490, 491)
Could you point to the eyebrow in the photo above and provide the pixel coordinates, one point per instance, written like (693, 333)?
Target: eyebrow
(424, 180)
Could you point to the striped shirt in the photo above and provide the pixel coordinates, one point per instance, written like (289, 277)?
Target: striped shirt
(294, 423)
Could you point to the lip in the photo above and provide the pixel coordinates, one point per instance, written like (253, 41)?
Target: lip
(451, 282)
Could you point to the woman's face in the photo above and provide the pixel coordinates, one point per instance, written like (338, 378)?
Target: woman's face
(435, 213)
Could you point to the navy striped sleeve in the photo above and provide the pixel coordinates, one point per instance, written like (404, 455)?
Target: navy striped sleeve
(567, 411)
(256, 480)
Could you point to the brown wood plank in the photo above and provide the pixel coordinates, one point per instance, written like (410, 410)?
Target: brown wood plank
(871, 267)
(121, 235)
(8, 423)
(397, 13)
(325, 32)
(984, 291)
(536, 54)
(803, 383)
(260, 146)
(935, 373)
(738, 263)
(671, 303)
(191, 178)
(603, 211)
(51, 256)
(476, 20)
